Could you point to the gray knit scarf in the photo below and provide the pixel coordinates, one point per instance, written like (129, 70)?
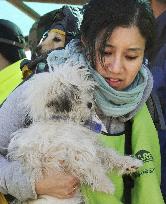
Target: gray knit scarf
(119, 103)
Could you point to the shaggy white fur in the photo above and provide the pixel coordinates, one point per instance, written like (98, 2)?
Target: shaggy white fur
(59, 103)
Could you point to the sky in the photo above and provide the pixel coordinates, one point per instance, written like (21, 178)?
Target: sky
(10, 12)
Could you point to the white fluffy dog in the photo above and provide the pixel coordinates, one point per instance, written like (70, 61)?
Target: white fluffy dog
(59, 103)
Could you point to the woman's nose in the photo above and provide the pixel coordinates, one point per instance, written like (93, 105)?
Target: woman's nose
(115, 66)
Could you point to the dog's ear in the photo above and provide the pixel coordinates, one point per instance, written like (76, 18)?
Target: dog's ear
(60, 105)
(63, 102)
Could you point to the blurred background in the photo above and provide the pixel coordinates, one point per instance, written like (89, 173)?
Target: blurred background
(25, 12)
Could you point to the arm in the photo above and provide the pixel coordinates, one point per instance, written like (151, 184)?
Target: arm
(14, 181)
(12, 115)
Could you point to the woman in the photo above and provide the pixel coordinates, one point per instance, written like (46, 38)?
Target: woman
(114, 35)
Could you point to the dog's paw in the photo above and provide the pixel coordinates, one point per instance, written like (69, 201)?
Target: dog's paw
(130, 165)
(106, 187)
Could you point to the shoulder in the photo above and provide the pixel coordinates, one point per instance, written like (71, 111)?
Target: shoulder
(143, 115)
(143, 121)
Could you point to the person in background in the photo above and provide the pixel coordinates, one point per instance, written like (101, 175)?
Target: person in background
(52, 31)
(11, 52)
(157, 59)
(114, 37)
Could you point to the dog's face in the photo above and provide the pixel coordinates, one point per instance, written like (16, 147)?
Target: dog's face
(61, 95)
(72, 103)
(54, 40)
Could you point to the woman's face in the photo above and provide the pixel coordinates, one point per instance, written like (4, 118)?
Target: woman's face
(122, 57)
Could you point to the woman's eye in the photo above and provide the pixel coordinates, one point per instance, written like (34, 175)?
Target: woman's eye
(56, 39)
(107, 53)
(131, 57)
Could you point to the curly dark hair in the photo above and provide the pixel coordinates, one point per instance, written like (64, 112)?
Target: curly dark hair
(106, 15)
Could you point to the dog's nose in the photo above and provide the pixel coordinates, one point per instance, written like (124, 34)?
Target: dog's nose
(89, 105)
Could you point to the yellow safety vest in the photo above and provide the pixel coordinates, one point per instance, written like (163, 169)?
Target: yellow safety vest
(145, 146)
(10, 77)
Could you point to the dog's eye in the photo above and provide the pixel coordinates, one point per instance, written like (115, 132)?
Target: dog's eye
(57, 39)
(77, 97)
(89, 105)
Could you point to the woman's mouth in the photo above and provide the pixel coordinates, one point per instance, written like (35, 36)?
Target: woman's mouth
(114, 82)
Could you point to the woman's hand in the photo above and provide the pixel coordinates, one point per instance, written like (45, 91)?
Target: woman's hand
(57, 185)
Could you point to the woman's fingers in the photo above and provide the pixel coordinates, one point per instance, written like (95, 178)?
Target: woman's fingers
(58, 185)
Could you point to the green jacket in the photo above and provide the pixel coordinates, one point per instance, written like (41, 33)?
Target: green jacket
(145, 146)
(10, 77)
